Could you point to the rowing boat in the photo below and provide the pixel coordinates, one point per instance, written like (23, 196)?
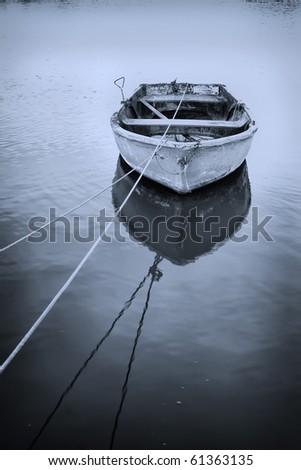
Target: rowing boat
(208, 136)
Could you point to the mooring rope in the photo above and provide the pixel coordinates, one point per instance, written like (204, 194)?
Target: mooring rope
(24, 237)
(88, 254)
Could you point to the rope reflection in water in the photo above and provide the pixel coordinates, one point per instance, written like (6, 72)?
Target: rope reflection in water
(156, 274)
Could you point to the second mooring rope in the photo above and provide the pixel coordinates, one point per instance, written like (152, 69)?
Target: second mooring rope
(88, 254)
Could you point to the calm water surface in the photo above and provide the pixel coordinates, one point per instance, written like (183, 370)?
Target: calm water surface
(207, 352)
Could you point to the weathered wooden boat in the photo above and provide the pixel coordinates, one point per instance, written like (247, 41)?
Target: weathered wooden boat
(208, 138)
(165, 222)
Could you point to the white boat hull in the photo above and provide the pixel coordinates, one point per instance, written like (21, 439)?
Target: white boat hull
(183, 166)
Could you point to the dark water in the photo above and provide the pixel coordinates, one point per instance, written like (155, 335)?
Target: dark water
(152, 346)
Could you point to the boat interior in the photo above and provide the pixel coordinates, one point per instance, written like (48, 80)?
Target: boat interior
(206, 112)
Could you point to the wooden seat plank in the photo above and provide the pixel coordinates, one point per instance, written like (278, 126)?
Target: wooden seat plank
(151, 108)
(187, 98)
(186, 122)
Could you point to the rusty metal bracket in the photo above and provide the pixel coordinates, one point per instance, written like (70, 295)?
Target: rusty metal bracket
(121, 87)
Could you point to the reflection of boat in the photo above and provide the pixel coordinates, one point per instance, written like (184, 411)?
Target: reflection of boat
(182, 227)
(208, 138)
